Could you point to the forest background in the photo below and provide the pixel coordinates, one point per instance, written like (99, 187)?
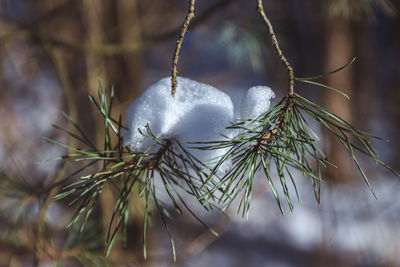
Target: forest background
(52, 54)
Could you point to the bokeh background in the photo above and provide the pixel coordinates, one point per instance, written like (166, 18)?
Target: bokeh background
(52, 54)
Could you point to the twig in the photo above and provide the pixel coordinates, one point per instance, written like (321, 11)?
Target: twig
(113, 173)
(278, 50)
(190, 15)
(272, 132)
(97, 49)
(199, 19)
(151, 164)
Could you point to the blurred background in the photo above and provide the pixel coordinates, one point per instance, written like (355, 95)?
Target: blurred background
(52, 54)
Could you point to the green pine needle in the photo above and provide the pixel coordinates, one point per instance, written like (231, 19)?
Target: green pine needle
(179, 171)
(278, 142)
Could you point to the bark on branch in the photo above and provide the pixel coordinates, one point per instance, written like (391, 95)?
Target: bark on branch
(278, 50)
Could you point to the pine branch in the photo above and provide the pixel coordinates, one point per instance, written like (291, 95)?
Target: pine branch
(276, 143)
(282, 139)
(129, 171)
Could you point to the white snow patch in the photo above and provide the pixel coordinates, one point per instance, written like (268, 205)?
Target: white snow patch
(198, 112)
(256, 101)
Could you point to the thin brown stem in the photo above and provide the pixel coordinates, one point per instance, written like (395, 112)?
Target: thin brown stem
(190, 15)
(114, 173)
(278, 50)
(87, 48)
(266, 138)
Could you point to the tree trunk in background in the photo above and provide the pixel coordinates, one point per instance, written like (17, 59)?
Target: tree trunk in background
(339, 50)
(93, 13)
(130, 68)
(365, 78)
(111, 22)
(395, 88)
(132, 64)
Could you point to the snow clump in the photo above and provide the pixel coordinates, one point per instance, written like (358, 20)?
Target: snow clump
(256, 101)
(197, 113)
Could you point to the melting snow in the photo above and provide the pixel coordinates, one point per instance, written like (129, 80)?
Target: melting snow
(256, 101)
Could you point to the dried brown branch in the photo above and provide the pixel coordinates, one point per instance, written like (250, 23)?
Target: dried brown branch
(190, 15)
(278, 50)
(101, 49)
